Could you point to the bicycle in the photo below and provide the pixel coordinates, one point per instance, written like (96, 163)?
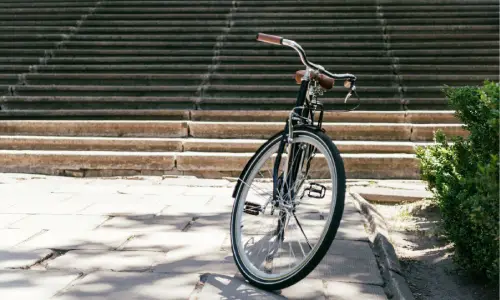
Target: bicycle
(290, 195)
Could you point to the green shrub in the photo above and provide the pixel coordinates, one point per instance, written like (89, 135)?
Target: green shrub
(464, 177)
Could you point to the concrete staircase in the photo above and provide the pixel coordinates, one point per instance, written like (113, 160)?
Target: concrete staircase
(121, 87)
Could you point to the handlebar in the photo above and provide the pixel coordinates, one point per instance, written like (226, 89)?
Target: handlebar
(277, 40)
(270, 39)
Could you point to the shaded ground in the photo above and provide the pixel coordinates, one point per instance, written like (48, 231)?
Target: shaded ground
(150, 238)
(427, 257)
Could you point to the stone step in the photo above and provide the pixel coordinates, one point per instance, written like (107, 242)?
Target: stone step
(310, 46)
(338, 131)
(357, 165)
(448, 60)
(214, 165)
(8, 79)
(448, 36)
(56, 4)
(49, 22)
(247, 69)
(378, 194)
(99, 90)
(181, 144)
(242, 54)
(99, 103)
(22, 4)
(372, 19)
(46, 10)
(40, 16)
(324, 37)
(169, 3)
(224, 130)
(274, 60)
(415, 69)
(322, 13)
(195, 9)
(415, 117)
(212, 91)
(248, 55)
(449, 79)
(109, 79)
(93, 114)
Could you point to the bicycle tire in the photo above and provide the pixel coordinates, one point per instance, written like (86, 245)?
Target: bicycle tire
(333, 157)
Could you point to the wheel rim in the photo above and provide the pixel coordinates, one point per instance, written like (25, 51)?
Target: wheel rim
(265, 255)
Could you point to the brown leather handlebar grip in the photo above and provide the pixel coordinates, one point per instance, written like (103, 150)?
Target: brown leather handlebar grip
(270, 39)
(325, 81)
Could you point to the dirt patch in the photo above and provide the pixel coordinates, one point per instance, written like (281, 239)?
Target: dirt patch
(426, 256)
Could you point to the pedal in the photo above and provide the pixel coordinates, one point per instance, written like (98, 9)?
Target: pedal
(252, 208)
(316, 190)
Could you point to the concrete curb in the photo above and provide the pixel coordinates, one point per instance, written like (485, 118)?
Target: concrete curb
(396, 286)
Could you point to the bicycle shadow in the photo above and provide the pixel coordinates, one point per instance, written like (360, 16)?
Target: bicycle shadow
(227, 287)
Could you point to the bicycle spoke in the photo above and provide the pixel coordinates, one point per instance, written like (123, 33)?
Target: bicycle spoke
(300, 226)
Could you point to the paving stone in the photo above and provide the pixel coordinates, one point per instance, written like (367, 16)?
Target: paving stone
(75, 222)
(197, 262)
(140, 207)
(346, 291)
(99, 239)
(5, 204)
(145, 224)
(218, 286)
(180, 200)
(30, 284)
(211, 221)
(12, 237)
(18, 258)
(349, 261)
(99, 186)
(196, 182)
(20, 189)
(73, 187)
(133, 286)
(209, 191)
(30, 201)
(91, 260)
(186, 244)
(306, 289)
(51, 206)
(103, 197)
(202, 213)
(7, 219)
(351, 230)
(157, 189)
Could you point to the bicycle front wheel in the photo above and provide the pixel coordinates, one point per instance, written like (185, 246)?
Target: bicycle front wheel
(277, 241)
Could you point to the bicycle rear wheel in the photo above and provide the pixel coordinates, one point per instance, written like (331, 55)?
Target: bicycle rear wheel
(278, 241)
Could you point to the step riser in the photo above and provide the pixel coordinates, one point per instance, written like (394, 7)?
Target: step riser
(414, 117)
(215, 167)
(172, 129)
(104, 129)
(138, 145)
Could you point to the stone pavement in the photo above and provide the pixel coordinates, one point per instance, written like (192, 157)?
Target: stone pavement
(149, 238)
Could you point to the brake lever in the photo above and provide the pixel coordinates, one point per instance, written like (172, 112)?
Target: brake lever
(352, 88)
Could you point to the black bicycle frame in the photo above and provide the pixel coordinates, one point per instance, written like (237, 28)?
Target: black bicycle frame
(292, 169)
